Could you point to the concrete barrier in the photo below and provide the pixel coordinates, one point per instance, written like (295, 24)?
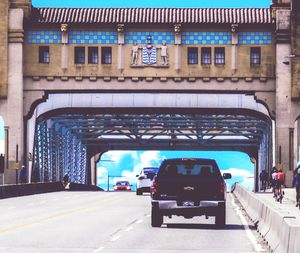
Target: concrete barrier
(249, 201)
(287, 244)
(9, 191)
(280, 229)
(264, 220)
(273, 237)
(83, 187)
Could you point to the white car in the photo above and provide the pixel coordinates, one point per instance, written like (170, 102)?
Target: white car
(145, 179)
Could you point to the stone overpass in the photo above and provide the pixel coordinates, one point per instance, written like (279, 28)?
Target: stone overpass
(213, 59)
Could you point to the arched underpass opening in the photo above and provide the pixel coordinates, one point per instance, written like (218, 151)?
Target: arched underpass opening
(126, 164)
(66, 139)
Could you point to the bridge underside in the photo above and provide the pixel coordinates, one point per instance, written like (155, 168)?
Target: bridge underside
(66, 139)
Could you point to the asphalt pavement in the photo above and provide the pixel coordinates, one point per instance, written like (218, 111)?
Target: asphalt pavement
(116, 222)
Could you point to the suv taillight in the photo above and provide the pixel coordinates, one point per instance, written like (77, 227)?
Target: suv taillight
(154, 187)
(222, 187)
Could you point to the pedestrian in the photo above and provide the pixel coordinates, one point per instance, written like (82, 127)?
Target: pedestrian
(278, 178)
(22, 175)
(65, 180)
(272, 182)
(263, 176)
(296, 183)
(296, 170)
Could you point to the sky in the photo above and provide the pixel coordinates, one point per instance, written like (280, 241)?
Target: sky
(125, 165)
(153, 3)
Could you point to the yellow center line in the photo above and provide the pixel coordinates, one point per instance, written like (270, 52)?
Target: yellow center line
(60, 214)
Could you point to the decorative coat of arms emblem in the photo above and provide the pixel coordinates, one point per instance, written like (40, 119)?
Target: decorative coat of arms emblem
(149, 52)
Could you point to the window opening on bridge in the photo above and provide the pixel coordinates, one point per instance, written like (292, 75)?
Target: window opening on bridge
(79, 55)
(192, 55)
(106, 55)
(219, 55)
(255, 55)
(205, 55)
(93, 55)
(44, 54)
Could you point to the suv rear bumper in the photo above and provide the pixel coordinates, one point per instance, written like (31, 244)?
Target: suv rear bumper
(205, 207)
(144, 189)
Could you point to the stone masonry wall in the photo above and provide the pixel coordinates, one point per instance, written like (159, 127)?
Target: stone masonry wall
(3, 47)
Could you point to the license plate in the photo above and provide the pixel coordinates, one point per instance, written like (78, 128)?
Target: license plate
(188, 203)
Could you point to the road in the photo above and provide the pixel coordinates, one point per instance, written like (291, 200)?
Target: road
(114, 222)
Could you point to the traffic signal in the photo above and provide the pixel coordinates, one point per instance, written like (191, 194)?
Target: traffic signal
(1, 163)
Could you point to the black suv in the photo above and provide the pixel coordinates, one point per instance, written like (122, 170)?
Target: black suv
(189, 187)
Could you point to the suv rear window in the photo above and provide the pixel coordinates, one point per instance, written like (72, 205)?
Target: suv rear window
(123, 183)
(150, 172)
(183, 169)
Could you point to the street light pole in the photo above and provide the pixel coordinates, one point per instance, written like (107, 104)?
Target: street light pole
(108, 182)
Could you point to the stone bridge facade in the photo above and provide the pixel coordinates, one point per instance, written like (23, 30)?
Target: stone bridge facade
(46, 52)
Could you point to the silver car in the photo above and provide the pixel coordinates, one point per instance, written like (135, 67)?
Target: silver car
(144, 180)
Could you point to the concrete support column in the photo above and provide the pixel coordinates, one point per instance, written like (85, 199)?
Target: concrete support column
(15, 119)
(3, 48)
(296, 142)
(284, 119)
(31, 124)
(94, 160)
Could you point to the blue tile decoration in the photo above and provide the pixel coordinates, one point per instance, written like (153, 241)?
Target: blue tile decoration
(255, 38)
(43, 37)
(110, 37)
(93, 37)
(206, 38)
(157, 37)
(75, 37)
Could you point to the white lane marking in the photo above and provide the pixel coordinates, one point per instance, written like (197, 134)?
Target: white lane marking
(128, 229)
(11, 207)
(99, 249)
(249, 233)
(139, 221)
(54, 199)
(115, 238)
(30, 204)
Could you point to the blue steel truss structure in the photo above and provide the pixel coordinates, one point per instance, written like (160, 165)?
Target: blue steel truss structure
(58, 152)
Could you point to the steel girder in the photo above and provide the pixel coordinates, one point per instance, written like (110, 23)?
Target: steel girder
(58, 152)
(115, 131)
(62, 139)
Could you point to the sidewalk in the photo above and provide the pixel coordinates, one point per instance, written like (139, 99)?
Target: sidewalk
(288, 205)
(290, 194)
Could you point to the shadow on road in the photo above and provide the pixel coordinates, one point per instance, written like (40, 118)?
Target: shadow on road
(207, 226)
